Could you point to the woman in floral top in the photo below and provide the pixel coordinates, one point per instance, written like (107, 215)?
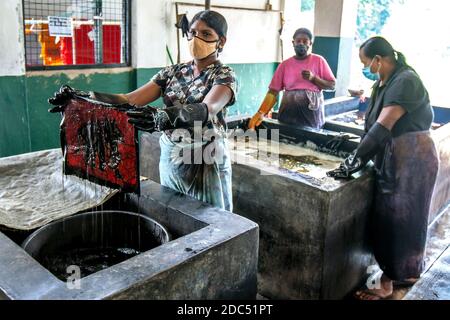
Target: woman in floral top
(194, 153)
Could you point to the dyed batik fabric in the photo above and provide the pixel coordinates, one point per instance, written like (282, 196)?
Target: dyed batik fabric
(100, 145)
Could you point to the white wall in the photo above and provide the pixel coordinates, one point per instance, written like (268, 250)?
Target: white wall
(348, 20)
(329, 14)
(336, 18)
(12, 54)
(149, 33)
(252, 35)
(293, 21)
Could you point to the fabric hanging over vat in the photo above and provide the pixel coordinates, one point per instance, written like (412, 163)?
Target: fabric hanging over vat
(100, 145)
(33, 191)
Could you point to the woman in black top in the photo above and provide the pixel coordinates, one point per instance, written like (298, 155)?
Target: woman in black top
(398, 139)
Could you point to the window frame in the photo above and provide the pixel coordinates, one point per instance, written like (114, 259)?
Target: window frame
(128, 63)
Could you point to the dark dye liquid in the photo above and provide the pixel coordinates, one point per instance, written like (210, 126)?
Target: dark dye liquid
(290, 161)
(89, 260)
(293, 162)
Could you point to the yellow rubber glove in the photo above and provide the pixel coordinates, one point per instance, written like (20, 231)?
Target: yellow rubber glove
(267, 105)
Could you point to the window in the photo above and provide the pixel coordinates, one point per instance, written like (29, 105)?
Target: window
(76, 33)
(418, 29)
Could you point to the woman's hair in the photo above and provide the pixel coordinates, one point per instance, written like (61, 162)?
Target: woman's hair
(304, 31)
(214, 20)
(380, 46)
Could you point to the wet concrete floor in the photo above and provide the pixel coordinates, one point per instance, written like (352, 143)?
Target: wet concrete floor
(435, 282)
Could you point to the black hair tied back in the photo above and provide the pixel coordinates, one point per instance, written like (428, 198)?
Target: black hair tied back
(379, 46)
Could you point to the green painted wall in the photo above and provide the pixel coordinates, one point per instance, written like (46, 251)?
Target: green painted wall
(26, 126)
(253, 80)
(14, 133)
(143, 75)
(328, 47)
(43, 125)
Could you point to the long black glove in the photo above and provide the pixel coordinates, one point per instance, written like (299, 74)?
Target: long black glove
(66, 93)
(183, 24)
(62, 97)
(370, 145)
(335, 143)
(152, 119)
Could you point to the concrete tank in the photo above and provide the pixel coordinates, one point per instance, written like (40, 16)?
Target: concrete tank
(93, 241)
(312, 233)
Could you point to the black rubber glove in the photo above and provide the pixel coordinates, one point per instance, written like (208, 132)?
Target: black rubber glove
(143, 118)
(151, 119)
(335, 143)
(183, 24)
(62, 97)
(66, 93)
(370, 145)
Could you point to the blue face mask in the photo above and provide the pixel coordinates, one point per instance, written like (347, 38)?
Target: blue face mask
(369, 75)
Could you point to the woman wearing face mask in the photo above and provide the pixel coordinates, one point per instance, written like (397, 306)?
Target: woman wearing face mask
(302, 77)
(197, 92)
(397, 138)
(196, 95)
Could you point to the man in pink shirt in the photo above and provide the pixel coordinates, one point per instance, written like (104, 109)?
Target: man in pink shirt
(302, 77)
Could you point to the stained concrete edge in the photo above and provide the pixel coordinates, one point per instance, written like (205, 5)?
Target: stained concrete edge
(346, 252)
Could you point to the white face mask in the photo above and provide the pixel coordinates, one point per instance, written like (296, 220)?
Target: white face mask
(200, 49)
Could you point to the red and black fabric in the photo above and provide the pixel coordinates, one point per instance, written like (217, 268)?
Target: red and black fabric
(100, 145)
